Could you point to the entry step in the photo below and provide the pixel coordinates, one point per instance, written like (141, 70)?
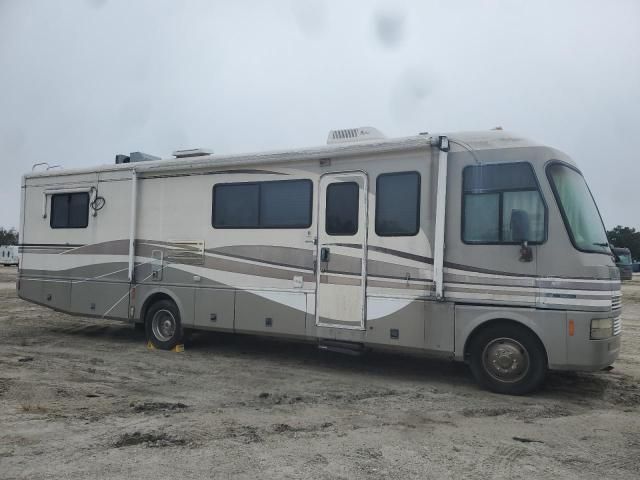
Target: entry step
(347, 348)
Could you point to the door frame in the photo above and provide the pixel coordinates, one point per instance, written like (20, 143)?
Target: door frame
(363, 221)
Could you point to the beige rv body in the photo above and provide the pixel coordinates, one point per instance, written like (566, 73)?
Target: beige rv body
(152, 237)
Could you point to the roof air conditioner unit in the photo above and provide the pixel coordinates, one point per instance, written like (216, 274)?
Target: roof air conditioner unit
(350, 135)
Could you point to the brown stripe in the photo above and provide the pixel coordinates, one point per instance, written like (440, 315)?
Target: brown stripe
(388, 251)
(273, 255)
(392, 270)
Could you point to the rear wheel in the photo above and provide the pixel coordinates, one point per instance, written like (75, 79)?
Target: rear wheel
(163, 325)
(507, 358)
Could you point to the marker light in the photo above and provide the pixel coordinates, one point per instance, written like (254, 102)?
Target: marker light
(572, 328)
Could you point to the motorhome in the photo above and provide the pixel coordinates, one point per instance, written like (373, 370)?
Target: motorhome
(9, 255)
(481, 247)
(623, 262)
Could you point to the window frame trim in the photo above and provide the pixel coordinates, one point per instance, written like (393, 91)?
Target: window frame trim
(500, 205)
(326, 191)
(418, 204)
(258, 183)
(565, 220)
(51, 216)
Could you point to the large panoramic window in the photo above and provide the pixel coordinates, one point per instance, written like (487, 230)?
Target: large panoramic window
(398, 204)
(277, 204)
(70, 210)
(497, 197)
(578, 209)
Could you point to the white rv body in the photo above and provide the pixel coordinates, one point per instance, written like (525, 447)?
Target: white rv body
(9, 255)
(149, 233)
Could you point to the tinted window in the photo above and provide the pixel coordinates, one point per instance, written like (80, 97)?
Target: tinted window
(342, 209)
(510, 176)
(498, 197)
(70, 210)
(280, 204)
(236, 205)
(481, 219)
(285, 204)
(398, 204)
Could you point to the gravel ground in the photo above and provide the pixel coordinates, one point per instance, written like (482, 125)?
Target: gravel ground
(82, 398)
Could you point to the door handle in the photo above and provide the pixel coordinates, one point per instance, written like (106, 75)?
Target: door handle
(324, 254)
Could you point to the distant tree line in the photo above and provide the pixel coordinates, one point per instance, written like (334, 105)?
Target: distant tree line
(8, 236)
(625, 237)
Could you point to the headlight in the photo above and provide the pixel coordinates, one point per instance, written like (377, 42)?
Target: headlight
(601, 328)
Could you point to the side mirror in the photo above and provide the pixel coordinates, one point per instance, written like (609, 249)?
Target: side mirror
(520, 233)
(616, 258)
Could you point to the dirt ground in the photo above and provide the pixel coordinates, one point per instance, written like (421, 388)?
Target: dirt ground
(82, 398)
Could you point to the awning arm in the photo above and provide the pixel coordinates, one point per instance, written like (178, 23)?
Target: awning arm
(442, 142)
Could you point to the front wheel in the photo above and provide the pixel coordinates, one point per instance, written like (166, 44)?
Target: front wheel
(507, 358)
(163, 325)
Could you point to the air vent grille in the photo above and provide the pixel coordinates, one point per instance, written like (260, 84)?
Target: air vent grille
(348, 135)
(344, 134)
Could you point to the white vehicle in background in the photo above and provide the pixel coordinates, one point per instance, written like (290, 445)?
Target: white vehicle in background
(481, 247)
(9, 255)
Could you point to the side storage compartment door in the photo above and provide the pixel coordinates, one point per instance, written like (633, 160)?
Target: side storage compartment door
(103, 299)
(214, 309)
(270, 312)
(51, 293)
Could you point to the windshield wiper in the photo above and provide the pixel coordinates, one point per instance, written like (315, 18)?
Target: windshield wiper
(601, 244)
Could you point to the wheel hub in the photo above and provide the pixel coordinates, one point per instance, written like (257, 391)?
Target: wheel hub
(506, 360)
(163, 325)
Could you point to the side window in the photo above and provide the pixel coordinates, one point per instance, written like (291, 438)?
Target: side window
(285, 204)
(501, 203)
(236, 205)
(69, 210)
(398, 204)
(342, 208)
(278, 204)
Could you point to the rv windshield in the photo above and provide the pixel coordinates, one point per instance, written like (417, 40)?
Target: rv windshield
(625, 258)
(578, 208)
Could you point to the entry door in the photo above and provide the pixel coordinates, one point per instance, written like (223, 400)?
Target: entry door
(342, 246)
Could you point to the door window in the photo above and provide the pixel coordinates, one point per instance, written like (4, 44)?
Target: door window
(342, 208)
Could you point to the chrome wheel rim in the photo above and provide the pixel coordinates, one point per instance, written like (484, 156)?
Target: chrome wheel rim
(506, 360)
(163, 325)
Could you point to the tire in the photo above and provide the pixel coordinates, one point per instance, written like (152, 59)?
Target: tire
(507, 358)
(163, 326)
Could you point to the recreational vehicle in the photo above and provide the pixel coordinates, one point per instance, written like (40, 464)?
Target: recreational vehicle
(9, 255)
(479, 247)
(623, 262)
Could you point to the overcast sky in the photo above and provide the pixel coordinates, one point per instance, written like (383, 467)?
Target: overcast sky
(83, 80)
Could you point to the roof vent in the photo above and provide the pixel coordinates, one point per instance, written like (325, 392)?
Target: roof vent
(192, 152)
(135, 157)
(350, 135)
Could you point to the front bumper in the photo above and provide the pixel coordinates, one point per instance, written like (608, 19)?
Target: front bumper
(586, 354)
